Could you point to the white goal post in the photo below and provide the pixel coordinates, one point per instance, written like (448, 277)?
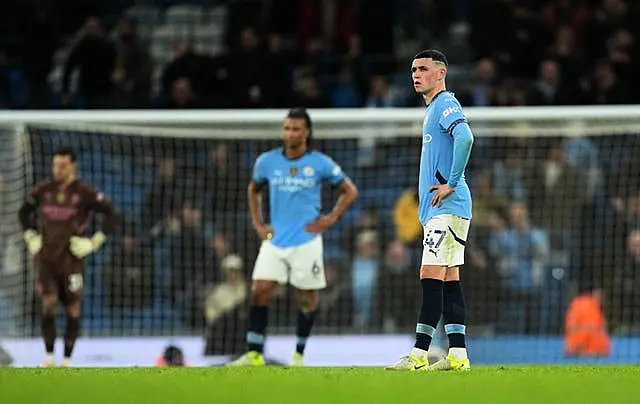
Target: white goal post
(498, 121)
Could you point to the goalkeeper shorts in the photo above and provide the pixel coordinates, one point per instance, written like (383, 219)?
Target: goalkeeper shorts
(444, 241)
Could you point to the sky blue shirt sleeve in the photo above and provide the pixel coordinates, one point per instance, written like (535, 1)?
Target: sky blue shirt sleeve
(259, 170)
(451, 114)
(462, 142)
(332, 172)
(453, 121)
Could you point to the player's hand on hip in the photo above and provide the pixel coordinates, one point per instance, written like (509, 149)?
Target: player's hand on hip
(442, 191)
(80, 247)
(33, 240)
(265, 231)
(321, 224)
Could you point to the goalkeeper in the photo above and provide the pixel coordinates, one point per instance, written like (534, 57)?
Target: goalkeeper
(65, 204)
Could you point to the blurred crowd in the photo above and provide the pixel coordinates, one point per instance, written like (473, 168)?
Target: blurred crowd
(312, 53)
(553, 217)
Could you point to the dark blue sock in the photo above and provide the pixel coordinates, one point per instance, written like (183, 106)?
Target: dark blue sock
(430, 312)
(305, 323)
(257, 327)
(454, 314)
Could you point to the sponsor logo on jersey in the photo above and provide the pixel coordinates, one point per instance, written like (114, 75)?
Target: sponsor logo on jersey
(449, 111)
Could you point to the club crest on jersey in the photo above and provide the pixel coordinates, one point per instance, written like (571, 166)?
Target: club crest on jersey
(61, 197)
(308, 171)
(293, 170)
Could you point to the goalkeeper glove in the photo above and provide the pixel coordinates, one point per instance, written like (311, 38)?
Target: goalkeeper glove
(33, 240)
(82, 246)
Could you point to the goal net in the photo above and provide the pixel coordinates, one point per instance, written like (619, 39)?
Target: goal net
(556, 195)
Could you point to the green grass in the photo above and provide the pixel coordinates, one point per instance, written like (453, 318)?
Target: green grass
(514, 385)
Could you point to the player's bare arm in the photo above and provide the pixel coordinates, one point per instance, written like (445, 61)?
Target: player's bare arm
(348, 194)
(263, 230)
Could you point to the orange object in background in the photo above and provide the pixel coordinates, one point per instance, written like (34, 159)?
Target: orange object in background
(586, 327)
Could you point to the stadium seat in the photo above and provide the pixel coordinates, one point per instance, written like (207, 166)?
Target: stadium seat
(216, 16)
(145, 15)
(207, 39)
(185, 15)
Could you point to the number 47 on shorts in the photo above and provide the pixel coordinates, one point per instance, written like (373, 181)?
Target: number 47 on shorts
(434, 238)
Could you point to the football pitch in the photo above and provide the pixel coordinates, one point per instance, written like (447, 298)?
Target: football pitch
(533, 384)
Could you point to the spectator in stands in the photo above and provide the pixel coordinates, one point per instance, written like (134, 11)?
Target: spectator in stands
(369, 219)
(225, 310)
(162, 199)
(396, 287)
(620, 52)
(509, 174)
(603, 86)
(549, 89)
(187, 63)
(560, 194)
(250, 86)
(489, 208)
(241, 14)
(309, 94)
(188, 260)
(94, 56)
(220, 248)
(610, 15)
(133, 70)
(484, 90)
(568, 53)
(40, 42)
(381, 95)
(521, 252)
(281, 66)
(364, 278)
(405, 217)
(513, 93)
(183, 95)
(129, 273)
(226, 180)
(345, 92)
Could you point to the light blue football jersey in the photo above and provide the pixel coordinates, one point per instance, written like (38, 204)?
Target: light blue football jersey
(295, 187)
(442, 115)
